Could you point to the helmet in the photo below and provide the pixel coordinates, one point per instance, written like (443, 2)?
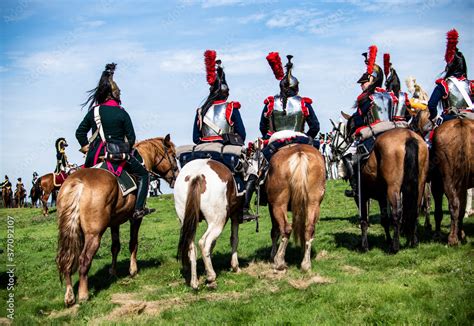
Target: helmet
(61, 144)
(106, 89)
(455, 61)
(289, 83)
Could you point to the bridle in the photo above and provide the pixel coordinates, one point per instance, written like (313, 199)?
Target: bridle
(338, 146)
(171, 168)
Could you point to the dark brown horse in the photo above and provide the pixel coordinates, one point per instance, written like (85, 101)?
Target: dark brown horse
(395, 175)
(35, 194)
(90, 201)
(296, 182)
(451, 171)
(20, 195)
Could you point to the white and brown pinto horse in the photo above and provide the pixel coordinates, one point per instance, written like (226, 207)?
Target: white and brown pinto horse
(296, 182)
(205, 189)
(90, 201)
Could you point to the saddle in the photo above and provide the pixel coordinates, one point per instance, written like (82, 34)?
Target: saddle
(59, 178)
(126, 182)
(229, 155)
(285, 138)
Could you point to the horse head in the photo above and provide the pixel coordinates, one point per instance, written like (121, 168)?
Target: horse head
(159, 155)
(341, 135)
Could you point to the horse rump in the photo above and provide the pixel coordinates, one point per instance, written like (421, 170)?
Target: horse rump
(192, 213)
(71, 237)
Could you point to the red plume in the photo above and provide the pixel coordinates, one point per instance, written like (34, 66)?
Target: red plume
(274, 61)
(452, 37)
(371, 59)
(386, 63)
(210, 62)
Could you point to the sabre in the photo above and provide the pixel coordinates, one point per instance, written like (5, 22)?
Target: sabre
(257, 152)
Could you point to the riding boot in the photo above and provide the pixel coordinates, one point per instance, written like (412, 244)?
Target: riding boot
(249, 190)
(349, 165)
(143, 183)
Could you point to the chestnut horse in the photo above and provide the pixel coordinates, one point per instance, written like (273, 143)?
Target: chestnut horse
(296, 182)
(90, 201)
(20, 195)
(7, 197)
(451, 170)
(394, 174)
(205, 189)
(47, 188)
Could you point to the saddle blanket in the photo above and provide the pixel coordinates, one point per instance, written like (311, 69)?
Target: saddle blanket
(229, 155)
(125, 181)
(284, 138)
(59, 178)
(380, 127)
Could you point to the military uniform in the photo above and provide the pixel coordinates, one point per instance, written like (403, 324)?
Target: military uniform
(6, 184)
(117, 127)
(454, 91)
(61, 158)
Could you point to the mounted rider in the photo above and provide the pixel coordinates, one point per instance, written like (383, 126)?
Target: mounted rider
(419, 100)
(35, 178)
(400, 102)
(287, 110)
(116, 128)
(6, 184)
(454, 90)
(369, 81)
(217, 117)
(61, 158)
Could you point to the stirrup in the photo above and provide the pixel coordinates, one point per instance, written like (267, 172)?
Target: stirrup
(140, 213)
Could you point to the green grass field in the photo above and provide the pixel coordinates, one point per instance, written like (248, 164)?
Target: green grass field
(431, 284)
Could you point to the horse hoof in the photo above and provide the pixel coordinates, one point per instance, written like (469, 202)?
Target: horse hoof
(280, 266)
(69, 299)
(305, 268)
(83, 298)
(194, 285)
(112, 272)
(236, 269)
(211, 285)
(453, 241)
(133, 272)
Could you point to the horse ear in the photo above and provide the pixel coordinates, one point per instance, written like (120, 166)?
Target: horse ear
(345, 115)
(167, 139)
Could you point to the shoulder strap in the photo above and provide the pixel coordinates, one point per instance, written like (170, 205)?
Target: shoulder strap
(98, 122)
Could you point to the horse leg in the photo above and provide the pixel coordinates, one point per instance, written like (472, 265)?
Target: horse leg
(280, 214)
(206, 243)
(274, 233)
(133, 245)
(427, 207)
(234, 242)
(364, 224)
(457, 207)
(192, 260)
(437, 191)
(44, 201)
(396, 214)
(114, 230)
(91, 245)
(312, 218)
(69, 298)
(384, 219)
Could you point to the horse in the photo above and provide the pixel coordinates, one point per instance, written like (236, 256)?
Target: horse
(35, 194)
(296, 182)
(47, 187)
(451, 170)
(394, 174)
(7, 197)
(90, 201)
(205, 190)
(20, 195)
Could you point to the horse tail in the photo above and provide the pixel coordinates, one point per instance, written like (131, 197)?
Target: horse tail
(409, 187)
(299, 163)
(192, 212)
(71, 237)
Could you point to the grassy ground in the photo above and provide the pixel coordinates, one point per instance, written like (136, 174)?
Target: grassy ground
(431, 284)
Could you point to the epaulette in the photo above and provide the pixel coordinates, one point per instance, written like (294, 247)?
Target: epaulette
(443, 83)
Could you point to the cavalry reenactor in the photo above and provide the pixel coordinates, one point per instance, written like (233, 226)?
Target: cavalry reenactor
(19, 183)
(61, 158)
(287, 110)
(217, 116)
(400, 102)
(419, 99)
(453, 90)
(35, 178)
(105, 110)
(368, 84)
(6, 184)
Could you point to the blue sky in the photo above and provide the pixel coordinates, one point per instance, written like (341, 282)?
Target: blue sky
(52, 52)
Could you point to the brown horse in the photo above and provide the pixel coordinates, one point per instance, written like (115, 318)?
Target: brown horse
(90, 201)
(35, 194)
(451, 169)
(296, 182)
(48, 187)
(394, 175)
(20, 195)
(7, 197)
